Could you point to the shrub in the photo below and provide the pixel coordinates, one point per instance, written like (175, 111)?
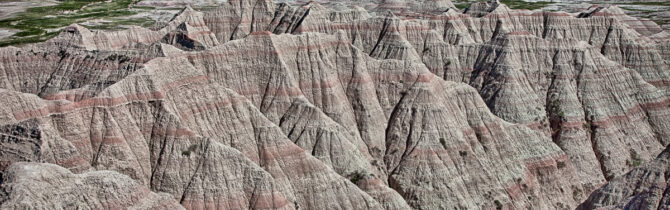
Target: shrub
(554, 109)
(560, 164)
(634, 160)
(190, 149)
(499, 205)
(576, 193)
(186, 153)
(355, 177)
(120, 58)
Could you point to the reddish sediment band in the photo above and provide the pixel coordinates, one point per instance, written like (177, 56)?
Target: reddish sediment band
(54, 108)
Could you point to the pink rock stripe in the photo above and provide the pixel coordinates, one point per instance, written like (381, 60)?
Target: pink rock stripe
(92, 102)
(103, 102)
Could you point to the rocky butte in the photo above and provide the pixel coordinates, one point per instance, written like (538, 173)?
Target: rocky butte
(386, 104)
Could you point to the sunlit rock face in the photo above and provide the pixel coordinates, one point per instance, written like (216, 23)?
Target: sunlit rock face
(257, 104)
(644, 187)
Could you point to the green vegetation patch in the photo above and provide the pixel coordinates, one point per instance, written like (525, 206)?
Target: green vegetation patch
(519, 4)
(41, 23)
(514, 4)
(634, 160)
(462, 5)
(113, 23)
(658, 3)
(29, 39)
(356, 176)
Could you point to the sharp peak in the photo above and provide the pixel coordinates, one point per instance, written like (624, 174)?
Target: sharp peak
(313, 5)
(184, 26)
(75, 26)
(188, 10)
(601, 9)
(388, 14)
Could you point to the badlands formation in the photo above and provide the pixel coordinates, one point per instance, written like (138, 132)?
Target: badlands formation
(394, 104)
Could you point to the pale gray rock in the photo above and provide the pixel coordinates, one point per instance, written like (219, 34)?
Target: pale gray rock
(48, 186)
(480, 48)
(645, 187)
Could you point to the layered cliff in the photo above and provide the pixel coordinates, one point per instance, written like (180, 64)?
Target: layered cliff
(645, 187)
(558, 65)
(265, 105)
(48, 186)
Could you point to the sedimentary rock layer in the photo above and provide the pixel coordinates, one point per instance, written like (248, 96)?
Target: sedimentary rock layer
(645, 187)
(48, 186)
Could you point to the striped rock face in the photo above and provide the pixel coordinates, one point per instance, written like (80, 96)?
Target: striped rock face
(644, 187)
(371, 105)
(47, 186)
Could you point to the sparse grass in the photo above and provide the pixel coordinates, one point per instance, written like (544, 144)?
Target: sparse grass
(40, 23)
(30, 39)
(144, 7)
(462, 5)
(644, 3)
(107, 6)
(635, 9)
(519, 4)
(645, 12)
(634, 160)
(68, 5)
(115, 22)
(514, 4)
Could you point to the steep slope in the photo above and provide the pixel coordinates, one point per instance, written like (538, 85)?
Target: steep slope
(641, 25)
(41, 185)
(117, 137)
(127, 129)
(79, 63)
(645, 187)
(301, 73)
(503, 53)
(568, 89)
